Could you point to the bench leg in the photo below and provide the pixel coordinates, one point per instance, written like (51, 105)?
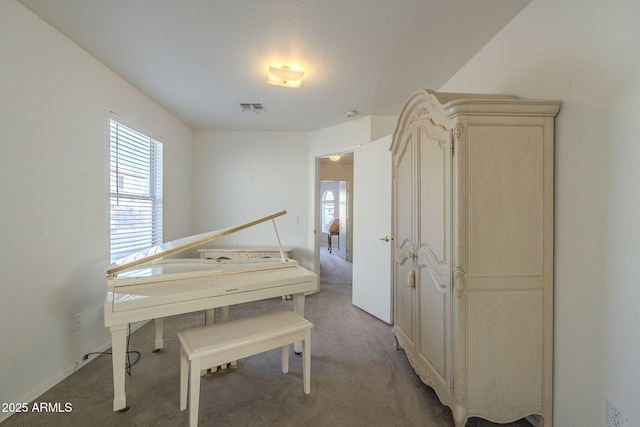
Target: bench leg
(194, 392)
(184, 379)
(285, 359)
(306, 362)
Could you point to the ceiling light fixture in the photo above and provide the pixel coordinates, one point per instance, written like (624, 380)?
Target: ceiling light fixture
(284, 76)
(334, 158)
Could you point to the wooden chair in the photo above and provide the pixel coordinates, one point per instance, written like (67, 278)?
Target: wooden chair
(334, 230)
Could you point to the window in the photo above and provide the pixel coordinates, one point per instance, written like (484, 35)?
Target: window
(328, 210)
(136, 191)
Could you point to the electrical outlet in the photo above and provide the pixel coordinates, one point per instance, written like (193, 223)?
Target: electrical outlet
(76, 322)
(615, 415)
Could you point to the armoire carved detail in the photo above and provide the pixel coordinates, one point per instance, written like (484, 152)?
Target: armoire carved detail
(403, 253)
(459, 130)
(435, 132)
(460, 290)
(418, 113)
(473, 251)
(424, 375)
(427, 260)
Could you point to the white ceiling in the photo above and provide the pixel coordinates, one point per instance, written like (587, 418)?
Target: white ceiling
(201, 58)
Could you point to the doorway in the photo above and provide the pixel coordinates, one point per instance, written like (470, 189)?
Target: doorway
(334, 218)
(368, 223)
(334, 201)
(335, 181)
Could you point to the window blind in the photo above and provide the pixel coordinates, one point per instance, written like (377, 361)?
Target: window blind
(136, 191)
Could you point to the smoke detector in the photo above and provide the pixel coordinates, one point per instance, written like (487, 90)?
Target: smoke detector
(351, 113)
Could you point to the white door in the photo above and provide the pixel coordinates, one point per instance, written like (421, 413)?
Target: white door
(371, 217)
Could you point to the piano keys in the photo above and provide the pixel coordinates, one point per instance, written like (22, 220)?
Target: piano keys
(146, 285)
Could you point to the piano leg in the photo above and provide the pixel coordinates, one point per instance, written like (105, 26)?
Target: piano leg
(118, 350)
(210, 316)
(159, 334)
(225, 318)
(298, 308)
(209, 319)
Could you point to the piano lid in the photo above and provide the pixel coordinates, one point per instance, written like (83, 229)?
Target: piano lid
(175, 246)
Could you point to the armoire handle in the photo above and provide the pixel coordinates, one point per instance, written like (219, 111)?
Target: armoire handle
(411, 279)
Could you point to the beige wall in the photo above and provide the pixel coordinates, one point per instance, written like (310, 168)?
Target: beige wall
(586, 53)
(55, 104)
(241, 176)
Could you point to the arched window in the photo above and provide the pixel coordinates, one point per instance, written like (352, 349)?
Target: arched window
(328, 210)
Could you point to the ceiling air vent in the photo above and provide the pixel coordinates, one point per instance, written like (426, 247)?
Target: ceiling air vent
(256, 107)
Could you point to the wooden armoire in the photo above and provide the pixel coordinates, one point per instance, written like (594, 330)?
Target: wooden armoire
(473, 251)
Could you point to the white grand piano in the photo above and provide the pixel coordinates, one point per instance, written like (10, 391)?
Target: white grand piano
(145, 285)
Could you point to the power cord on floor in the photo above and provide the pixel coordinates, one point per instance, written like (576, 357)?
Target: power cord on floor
(129, 364)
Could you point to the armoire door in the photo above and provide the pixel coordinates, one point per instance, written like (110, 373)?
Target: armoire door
(403, 219)
(433, 344)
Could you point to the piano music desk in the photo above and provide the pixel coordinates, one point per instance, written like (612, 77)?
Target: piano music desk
(244, 252)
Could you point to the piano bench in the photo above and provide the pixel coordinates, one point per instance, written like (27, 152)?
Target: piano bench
(210, 346)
